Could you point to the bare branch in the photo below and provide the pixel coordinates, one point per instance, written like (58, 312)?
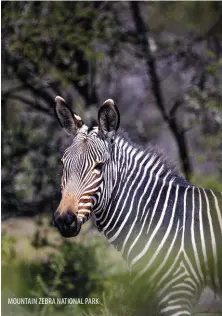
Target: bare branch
(34, 105)
(175, 107)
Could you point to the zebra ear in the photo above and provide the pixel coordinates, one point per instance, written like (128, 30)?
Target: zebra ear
(109, 119)
(66, 117)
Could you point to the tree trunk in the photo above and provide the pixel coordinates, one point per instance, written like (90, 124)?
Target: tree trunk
(177, 132)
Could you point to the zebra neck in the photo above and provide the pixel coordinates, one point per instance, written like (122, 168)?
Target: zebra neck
(139, 179)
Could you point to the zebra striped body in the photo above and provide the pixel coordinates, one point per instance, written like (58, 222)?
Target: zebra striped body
(165, 228)
(168, 231)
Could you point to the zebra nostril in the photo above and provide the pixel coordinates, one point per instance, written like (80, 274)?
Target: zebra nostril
(69, 218)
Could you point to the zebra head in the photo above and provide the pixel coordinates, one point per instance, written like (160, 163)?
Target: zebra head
(86, 165)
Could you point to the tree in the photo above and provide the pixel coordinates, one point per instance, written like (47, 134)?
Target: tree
(47, 49)
(169, 53)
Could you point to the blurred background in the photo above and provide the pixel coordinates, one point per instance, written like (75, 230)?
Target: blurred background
(162, 64)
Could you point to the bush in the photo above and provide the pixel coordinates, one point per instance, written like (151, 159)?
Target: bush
(73, 270)
(8, 250)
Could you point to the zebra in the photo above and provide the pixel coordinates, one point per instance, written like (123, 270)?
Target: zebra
(168, 231)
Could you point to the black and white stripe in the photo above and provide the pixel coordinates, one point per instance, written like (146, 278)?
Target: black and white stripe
(168, 231)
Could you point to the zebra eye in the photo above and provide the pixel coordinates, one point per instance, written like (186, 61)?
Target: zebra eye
(98, 165)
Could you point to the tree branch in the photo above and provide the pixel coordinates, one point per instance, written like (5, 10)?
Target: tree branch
(150, 60)
(177, 104)
(142, 32)
(34, 105)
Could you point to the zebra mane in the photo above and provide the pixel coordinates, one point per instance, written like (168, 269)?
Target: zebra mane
(154, 150)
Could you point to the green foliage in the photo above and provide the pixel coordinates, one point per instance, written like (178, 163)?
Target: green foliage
(72, 270)
(209, 182)
(187, 16)
(59, 34)
(8, 250)
(30, 167)
(47, 46)
(205, 106)
(64, 274)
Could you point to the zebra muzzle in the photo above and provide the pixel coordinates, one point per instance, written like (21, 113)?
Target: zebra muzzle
(68, 224)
